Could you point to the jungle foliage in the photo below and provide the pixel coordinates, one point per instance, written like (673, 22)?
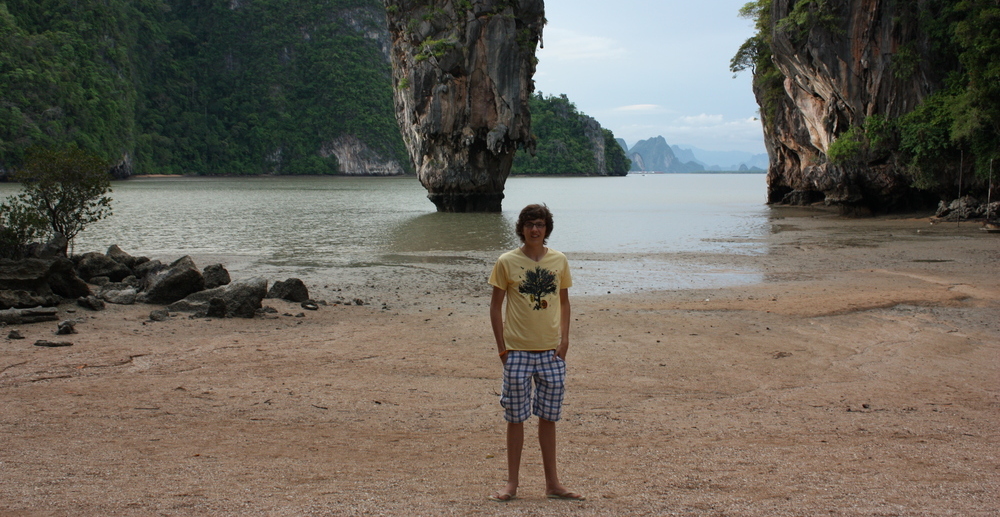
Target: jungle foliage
(565, 141)
(195, 86)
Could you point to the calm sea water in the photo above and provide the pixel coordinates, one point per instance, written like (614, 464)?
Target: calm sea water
(306, 224)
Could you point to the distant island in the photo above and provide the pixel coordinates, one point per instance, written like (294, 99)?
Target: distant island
(655, 155)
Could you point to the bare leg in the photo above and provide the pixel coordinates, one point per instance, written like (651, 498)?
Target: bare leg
(515, 444)
(547, 441)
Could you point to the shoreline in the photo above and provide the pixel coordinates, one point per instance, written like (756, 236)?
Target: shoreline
(858, 378)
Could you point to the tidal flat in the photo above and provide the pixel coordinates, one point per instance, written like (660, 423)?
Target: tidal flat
(854, 375)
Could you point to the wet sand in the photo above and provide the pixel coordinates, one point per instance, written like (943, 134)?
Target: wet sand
(858, 376)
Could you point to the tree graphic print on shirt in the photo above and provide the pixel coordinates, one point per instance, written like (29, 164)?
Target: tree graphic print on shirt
(537, 283)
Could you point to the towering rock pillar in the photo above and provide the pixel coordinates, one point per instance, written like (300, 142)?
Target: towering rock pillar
(462, 72)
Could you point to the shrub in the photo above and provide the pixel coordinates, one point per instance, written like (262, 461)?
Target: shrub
(67, 190)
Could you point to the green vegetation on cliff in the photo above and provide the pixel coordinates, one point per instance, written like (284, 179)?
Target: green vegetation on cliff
(66, 75)
(189, 86)
(568, 142)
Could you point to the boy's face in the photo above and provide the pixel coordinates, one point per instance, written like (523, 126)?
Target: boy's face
(534, 232)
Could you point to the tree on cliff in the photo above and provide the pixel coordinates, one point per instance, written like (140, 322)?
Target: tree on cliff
(63, 191)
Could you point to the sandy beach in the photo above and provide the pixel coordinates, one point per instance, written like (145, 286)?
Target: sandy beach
(859, 377)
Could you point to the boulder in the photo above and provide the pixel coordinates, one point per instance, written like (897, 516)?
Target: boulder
(293, 290)
(216, 308)
(90, 265)
(45, 280)
(32, 315)
(242, 298)
(125, 296)
(63, 280)
(215, 275)
(20, 299)
(179, 279)
(91, 302)
(143, 270)
(118, 255)
(159, 315)
(66, 327)
(26, 275)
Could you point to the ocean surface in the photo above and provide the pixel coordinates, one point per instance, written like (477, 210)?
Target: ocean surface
(632, 231)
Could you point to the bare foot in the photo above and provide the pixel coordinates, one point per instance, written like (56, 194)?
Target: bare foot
(509, 493)
(563, 493)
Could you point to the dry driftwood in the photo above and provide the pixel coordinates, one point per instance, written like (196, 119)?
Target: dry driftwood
(33, 315)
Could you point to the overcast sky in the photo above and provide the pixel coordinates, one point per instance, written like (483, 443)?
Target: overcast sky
(645, 68)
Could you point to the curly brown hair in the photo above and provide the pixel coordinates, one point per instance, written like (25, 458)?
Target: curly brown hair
(531, 213)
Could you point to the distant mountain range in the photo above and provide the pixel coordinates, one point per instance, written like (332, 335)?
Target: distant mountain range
(656, 155)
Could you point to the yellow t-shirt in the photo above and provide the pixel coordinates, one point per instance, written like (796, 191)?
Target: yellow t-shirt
(533, 308)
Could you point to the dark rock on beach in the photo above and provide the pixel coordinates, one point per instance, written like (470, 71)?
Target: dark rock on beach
(216, 308)
(178, 280)
(145, 269)
(242, 298)
(90, 265)
(24, 299)
(123, 258)
(215, 275)
(64, 281)
(66, 327)
(293, 290)
(30, 315)
(52, 344)
(120, 296)
(159, 315)
(32, 282)
(90, 302)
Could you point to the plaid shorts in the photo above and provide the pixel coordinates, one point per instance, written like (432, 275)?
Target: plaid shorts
(548, 372)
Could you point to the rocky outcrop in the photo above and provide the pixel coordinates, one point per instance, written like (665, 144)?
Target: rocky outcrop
(239, 299)
(173, 283)
(655, 155)
(462, 74)
(841, 65)
(33, 281)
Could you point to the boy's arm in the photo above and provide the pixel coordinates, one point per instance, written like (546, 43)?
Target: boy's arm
(496, 320)
(564, 318)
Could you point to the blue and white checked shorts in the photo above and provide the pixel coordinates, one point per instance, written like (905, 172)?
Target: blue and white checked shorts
(548, 372)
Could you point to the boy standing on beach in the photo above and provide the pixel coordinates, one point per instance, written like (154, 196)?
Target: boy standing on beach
(532, 341)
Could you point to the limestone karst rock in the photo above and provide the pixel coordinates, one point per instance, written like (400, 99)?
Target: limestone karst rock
(839, 64)
(462, 78)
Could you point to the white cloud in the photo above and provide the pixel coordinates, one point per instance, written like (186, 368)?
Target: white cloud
(644, 108)
(561, 44)
(702, 120)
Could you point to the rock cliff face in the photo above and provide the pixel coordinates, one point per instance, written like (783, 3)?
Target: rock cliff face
(462, 73)
(838, 71)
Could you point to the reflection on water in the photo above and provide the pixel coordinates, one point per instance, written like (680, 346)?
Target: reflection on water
(436, 231)
(302, 226)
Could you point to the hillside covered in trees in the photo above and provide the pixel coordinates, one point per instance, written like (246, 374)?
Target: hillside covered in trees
(231, 87)
(201, 87)
(569, 142)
